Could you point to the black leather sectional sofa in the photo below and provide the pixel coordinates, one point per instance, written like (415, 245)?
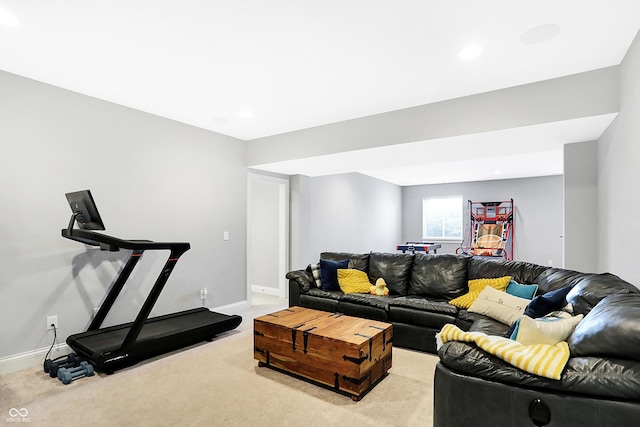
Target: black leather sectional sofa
(600, 384)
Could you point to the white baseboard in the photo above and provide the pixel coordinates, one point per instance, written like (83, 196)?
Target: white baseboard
(234, 308)
(31, 359)
(267, 291)
(35, 359)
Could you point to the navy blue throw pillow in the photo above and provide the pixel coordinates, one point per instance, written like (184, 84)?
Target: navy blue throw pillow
(544, 304)
(329, 273)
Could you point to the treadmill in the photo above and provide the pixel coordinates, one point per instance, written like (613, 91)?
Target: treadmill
(120, 346)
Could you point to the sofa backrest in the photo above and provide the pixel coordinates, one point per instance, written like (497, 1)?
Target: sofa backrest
(357, 261)
(556, 278)
(589, 289)
(440, 277)
(395, 269)
(445, 276)
(520, 271)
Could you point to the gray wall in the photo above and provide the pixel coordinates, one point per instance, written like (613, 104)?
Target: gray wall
(343, 213)
(538, 218)
(580, 206)
(580, 95)
(619, 177)
(609, 90)
(152, 178)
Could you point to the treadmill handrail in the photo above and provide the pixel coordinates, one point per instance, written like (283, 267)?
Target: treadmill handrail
(98, 239)
(138, 247)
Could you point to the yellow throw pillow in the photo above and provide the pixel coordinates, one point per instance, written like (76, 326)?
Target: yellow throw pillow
(476, 286)
(353, 281)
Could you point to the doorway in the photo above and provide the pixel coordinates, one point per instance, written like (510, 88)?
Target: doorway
(267, 237)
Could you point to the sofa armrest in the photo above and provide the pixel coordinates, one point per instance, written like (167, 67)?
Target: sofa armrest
(301, 278)
(299, 281)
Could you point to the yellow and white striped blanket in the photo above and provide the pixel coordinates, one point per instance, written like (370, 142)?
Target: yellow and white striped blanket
(540, 359)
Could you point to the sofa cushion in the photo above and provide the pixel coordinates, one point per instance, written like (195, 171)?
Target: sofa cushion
(589, 289)
(543, 360)
(476, 286)
(465, 319)
(318, 292)
(353, 281)
(499, 305)
(318, 303)
(395, 269)
(587, 375)
(611, 329)
(318, 299)
(439, 276)
(365, 305)
(329, 273)
(377, 301)
(418, 311)
(488, 326)
(550, 331)
(423, 319)
(423, 305)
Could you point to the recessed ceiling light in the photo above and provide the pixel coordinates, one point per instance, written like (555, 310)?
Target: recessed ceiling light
(7, 18)
(245, 114)
(540, 34)
(470, 52)
(220, 120)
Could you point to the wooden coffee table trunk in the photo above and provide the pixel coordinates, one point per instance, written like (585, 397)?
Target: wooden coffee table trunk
(345, 353)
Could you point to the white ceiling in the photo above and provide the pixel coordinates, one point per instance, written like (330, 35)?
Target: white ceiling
(296, 64)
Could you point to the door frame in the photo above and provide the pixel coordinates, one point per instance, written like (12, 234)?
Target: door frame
(283, 233)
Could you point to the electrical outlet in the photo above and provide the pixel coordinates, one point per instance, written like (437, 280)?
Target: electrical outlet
(203, 293)
(52, 320)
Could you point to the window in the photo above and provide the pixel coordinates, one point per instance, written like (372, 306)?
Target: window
(442, 218)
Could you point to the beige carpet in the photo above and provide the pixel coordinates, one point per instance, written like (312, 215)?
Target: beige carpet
(218, 383)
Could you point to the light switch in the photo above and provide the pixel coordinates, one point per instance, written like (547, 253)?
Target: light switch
(226, 235)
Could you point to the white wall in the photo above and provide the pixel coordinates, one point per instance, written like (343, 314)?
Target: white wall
(152, 178)
(538, 217)
(346, 213)
(268, 234)
(264, 236)
(619, 177)
(300, 222)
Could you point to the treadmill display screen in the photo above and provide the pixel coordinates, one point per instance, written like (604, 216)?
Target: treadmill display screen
(85, 210)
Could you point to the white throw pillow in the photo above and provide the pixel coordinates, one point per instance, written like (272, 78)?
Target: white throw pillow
(499, 305)
(546, 330)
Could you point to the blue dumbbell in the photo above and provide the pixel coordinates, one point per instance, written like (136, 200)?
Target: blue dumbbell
(67, 375)
(71, 360)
